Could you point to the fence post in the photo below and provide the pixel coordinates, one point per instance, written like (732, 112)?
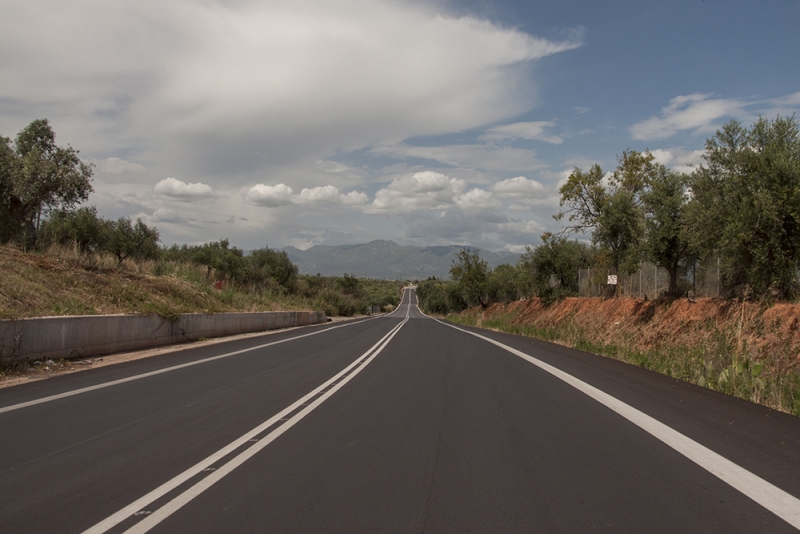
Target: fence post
(655, 281)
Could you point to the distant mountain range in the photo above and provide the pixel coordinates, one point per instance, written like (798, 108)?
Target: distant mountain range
(385, 260)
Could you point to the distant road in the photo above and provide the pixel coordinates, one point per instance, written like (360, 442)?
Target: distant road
(398, 423)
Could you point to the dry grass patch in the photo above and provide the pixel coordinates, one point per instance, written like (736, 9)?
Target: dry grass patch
(63, 283)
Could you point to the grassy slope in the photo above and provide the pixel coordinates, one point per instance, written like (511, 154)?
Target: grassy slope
(36, 285)
(749, 350)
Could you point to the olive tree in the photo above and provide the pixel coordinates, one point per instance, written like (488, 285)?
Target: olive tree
(471, 275)
(747, 209)
(551, 268)
(125, 239)
(666, 237)
(37, 176)
(610, 207)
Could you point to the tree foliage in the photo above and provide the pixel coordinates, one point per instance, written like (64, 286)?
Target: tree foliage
(504, 283)
(551, 268)
(667, 241)
(747, 209)
(440, 296)
(81, 228)
(269, 267)
(125, 239)
(610, 207)
(471, 275)
(36, 177)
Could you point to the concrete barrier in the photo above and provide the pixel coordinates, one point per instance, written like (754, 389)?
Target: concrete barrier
(93, 335)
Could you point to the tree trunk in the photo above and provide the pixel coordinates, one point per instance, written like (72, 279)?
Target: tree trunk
(673, 281)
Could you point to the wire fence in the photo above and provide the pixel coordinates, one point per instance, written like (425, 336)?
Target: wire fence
(651, 282)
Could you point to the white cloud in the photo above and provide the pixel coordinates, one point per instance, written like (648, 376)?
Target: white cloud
(329, 194)
(487, 157)
(116, 166)
(519, 187)
(165, 215)
(477, 199)
(282, 195)
(290, 79)
(792, 100)
(172, 187)
(422, 190)
(317, 195)
(697, 112)
(354, 198)
(662, 156)
(678, 159)
(486, 229)
(518, 207)
(235, 93)
(270, 195)
(524, 228)
(523, 130)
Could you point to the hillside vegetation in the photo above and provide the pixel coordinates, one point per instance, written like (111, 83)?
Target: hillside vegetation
(745, 349)
(63, 282)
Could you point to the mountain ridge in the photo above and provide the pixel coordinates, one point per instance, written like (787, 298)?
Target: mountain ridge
(384, 259)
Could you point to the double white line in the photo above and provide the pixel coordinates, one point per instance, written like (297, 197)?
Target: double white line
(286, 419)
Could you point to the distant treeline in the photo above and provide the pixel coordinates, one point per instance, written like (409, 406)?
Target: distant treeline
(740, 208)
(263, 270)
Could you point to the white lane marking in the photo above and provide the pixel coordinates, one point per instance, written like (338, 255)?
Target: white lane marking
(774, 499)
(399, 306)
(162, 371)
(164, 512)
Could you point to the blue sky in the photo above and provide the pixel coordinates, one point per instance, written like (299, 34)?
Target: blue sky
(426, 122)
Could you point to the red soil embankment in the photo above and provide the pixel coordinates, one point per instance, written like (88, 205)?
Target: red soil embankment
(767, 333)
(750, 350)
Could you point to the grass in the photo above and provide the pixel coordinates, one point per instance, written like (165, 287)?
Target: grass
(62, 282)
(724, 367)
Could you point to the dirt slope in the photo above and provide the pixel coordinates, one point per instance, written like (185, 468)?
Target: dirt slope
(751, 350)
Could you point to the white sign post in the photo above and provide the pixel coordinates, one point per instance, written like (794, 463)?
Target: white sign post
(612, 279)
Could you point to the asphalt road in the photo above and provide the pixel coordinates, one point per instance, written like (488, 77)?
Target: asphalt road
(398, 423)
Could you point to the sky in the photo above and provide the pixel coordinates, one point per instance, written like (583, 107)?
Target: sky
(441, 122)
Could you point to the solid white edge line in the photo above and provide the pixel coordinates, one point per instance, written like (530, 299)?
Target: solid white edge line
(774, 499)
(165, 370)
(139, 504)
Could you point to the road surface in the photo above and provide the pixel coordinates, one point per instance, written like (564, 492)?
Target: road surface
(397, 423)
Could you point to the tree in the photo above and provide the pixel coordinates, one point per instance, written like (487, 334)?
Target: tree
(471, 274)
(81, 228)
(349, 284)
(219, 256)
(37, 176)
(432, 296)
(127, 240)
(551, 268)
(666, 241)
(504, 283)
(266, 264)
(610, 207)
(9, 225)
(748, 205)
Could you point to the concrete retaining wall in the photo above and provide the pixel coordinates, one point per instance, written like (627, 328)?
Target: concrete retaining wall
(92, 335)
